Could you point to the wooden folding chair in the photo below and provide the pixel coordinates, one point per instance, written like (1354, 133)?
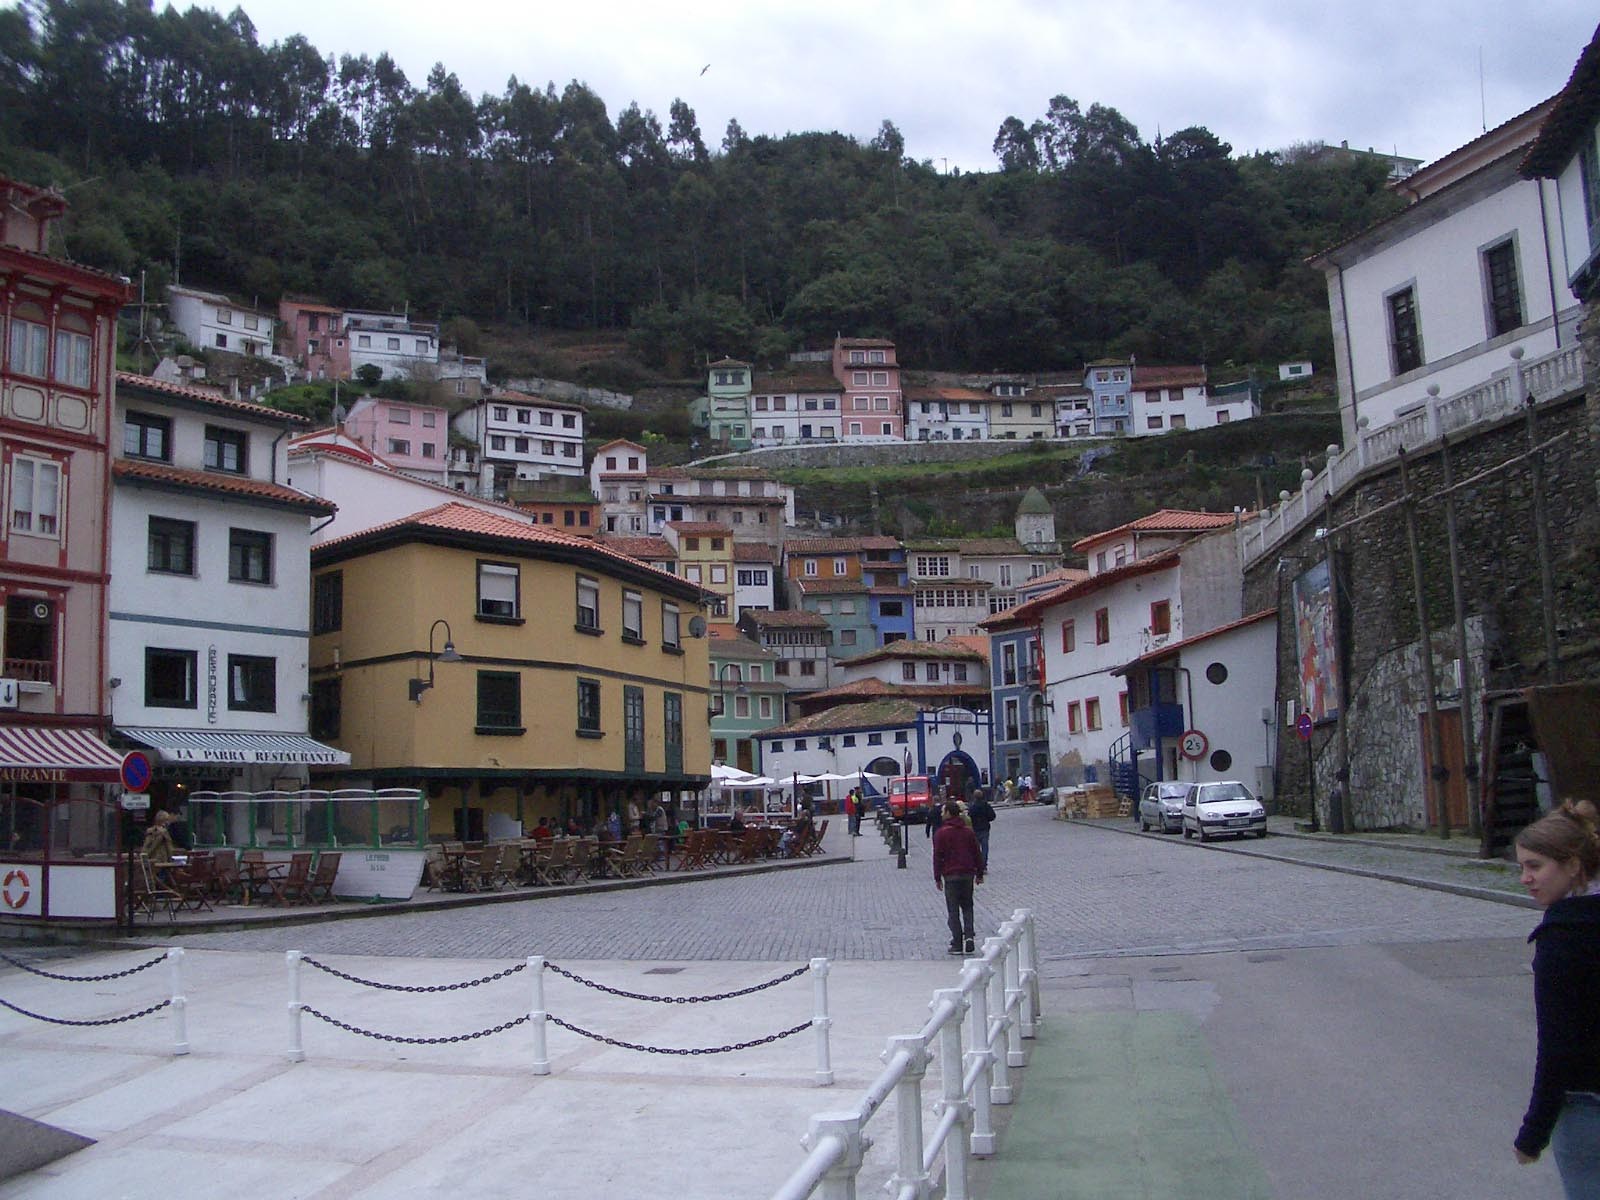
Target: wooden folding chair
(291, 886)
(150, 894)
(320, 885)
(550, 867)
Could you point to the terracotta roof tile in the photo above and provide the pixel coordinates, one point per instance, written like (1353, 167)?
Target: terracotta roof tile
(243, 407)
(838, 545)
(947, 650)
(872, 714)
(755, 552)
(701, 528)
(1145, 378)
(646, 549)
(1167, 520)
(135, 471)
(784, 618)
(830, 587)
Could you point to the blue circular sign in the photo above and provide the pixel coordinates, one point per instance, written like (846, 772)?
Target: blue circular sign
(136, 771)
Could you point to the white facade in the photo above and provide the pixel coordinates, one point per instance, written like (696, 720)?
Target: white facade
(755, 586)
(1158, 410)
(929, 737)
(943, 417)
(523, 438)
(369, 493)
(210, 589)
(1441, 267)
(211, 321)
(396, 345)
(778, 418)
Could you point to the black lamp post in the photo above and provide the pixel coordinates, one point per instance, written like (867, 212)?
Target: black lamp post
(448, 654)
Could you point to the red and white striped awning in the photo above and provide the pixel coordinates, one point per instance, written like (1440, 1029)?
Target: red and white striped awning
(52, 754)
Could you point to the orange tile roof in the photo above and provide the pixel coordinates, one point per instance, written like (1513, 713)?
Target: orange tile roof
(647, 549)
(460, 518)
(875, 688)
(754, 552)
(1167, 520)
(838, 545)
(228, 403)
(701, 528)
(1167, 377)
(136, 471)
(791, 618)
(830, 587)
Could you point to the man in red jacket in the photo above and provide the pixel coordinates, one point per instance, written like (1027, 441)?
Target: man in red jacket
(957, 867)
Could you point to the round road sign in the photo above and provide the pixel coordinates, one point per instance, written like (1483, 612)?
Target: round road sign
(1194, 745)
(136, 771)
(1302, 726)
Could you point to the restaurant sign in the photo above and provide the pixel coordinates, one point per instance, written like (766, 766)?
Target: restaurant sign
(35, 775)
(246, 756)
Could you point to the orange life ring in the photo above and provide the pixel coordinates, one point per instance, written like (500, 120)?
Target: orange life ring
(15, 876)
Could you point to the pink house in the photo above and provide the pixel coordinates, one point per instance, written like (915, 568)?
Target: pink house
(874, 406)
(413, 438)
(314, 334)
(57, 374)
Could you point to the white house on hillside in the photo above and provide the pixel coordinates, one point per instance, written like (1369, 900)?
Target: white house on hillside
(211, 321)
(1438, 295)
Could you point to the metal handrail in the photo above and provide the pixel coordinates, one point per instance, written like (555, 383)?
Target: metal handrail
(999, 998)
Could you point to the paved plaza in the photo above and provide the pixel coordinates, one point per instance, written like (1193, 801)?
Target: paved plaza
(1320, 1016)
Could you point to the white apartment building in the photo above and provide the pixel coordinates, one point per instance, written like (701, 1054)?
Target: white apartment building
(522, 437)
(795, 407)
(937, 414)
(210, 590)
(1166, 398)
(398, 346)
(211, 321)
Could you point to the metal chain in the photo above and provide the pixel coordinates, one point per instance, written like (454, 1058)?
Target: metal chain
(144, 1012)
(415, 1041)
(600, 987)
(600, 1037)
(83, 978)
(401, 987)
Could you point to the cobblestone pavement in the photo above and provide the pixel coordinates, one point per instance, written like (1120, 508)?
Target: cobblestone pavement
(1096, 891)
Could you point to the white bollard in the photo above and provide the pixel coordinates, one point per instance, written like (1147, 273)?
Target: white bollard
(541, 1051)
(1000, 1086)
(180, 1003)
(1015, 1055)
(297, 1052)
(1031, 1014)
(822, 1022)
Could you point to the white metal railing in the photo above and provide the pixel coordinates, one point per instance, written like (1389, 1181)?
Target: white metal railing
(1549, 377)
(999, 997)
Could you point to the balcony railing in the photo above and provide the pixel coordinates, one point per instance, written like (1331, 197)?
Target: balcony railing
(30, 670)
(1549, 377)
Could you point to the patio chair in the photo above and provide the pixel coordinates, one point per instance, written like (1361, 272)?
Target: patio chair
(509, 871)
(580, 859)
(254, 882)
(482, 869)
(434, 867)
(320, 885)
(224, 875)
(694, 852)
(813, 844)
(150, 894)
(550, 865)
(193, 882)
(291, 886)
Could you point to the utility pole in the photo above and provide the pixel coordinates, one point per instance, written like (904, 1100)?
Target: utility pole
(1437, 776)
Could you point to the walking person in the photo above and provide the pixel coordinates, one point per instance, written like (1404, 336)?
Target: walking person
(981, 813)
(957, 870)
(852, 810)
(1560, 859)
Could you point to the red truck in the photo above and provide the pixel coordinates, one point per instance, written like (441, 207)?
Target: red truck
(910, 797)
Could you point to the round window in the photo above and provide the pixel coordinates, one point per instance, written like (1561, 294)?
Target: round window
(1217, 673)
(1221, 760)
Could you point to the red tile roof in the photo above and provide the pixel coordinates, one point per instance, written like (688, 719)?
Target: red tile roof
(755, 552)
(830, 587)
(871, 714)
(177, 390)
(784, 618)
(1145, 378)
(948, 650)
(460, 518)
(837, 545)
(701, 528)
(1167, 520)
(963, 394)
(873, 689)
(136, 471)
(646, 549)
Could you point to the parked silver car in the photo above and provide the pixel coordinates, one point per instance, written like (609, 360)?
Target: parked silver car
(1225, 806)
(1161, 806)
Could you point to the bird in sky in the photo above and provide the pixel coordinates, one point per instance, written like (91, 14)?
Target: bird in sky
(705, 68)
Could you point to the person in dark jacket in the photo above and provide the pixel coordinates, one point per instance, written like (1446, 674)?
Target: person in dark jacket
(1560, 859)
(957, 869)
(981, 813)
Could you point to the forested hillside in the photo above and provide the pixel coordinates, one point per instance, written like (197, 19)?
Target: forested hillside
(189, 149)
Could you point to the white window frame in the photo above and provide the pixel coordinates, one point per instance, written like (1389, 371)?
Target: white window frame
(28, 516)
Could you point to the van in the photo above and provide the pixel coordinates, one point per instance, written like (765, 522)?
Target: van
(910, 797)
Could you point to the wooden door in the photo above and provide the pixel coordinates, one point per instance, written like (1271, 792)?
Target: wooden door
(1455, 786)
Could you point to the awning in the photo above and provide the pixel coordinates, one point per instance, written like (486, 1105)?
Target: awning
(241, 749)
(52, 754)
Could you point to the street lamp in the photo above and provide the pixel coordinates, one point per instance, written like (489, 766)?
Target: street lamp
(448, 654)
(722, 695)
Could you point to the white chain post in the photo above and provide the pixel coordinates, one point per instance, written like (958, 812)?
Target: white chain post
(953, 1095)
(180, 1003)
(538, 1017)
(1000, 1086)
(1032, 1015)
(908, 1117)
(822, 1022)
(297, 1052)
(978, 1041)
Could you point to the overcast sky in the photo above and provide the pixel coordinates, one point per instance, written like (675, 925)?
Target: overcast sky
(1398, 75)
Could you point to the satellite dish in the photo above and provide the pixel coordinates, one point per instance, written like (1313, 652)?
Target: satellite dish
(697, 627)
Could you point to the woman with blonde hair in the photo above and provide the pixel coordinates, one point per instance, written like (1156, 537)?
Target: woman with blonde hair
(1560, 859)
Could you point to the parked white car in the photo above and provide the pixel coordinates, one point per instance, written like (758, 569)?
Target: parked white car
(1161, 806)
(1225, 806)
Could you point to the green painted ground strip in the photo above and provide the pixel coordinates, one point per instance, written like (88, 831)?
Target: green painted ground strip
(1124, 1106)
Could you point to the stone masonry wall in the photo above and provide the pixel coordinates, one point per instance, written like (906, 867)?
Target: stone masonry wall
(1378, 627)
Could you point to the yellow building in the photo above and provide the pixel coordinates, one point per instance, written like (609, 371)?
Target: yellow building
(511, 671)
(705, 557)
